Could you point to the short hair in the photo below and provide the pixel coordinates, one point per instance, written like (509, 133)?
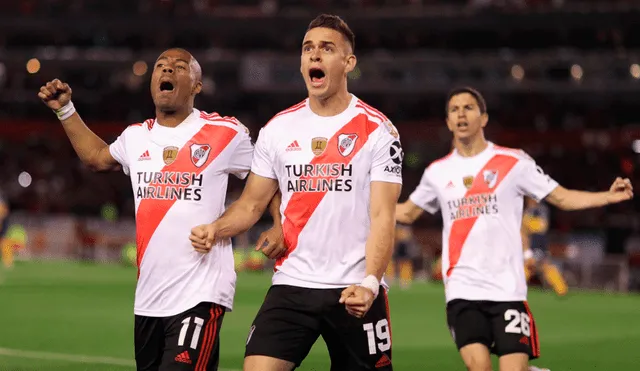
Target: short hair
(335, 23)
(469, 90)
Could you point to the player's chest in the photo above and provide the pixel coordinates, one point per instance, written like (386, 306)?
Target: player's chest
(472, 182)
(320, 146)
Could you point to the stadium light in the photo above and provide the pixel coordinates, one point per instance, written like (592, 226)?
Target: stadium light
(634, 70)
(576, 72)
(24, 179)
(33, 65)
(517, 72)
(140, 68)
(635, 146)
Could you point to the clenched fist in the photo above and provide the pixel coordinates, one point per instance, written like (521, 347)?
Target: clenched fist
(55, 94)
(203, 237)
(621, 190)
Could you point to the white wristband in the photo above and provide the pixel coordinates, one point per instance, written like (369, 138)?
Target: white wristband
(66, 111)
(372, 283)
(528, 254)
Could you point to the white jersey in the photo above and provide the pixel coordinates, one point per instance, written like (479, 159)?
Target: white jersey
(481, 200)
(324, 167)
(179, 178)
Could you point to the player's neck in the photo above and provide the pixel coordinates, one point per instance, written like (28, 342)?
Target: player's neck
(332, 105)
(172, 118)
(471, 146)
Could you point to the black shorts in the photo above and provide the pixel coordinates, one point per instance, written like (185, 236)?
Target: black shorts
(292, 318)
(187, 341)
(503, 327)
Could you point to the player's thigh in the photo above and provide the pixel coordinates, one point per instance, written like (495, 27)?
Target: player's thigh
(476, 357)
(149, 342)
(514, 362)
(359, 343)
(469, 324)
(514, 330)
(286, 326)
(192, 339)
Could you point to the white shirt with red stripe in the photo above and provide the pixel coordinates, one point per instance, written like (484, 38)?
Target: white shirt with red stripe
(324, 167)
(481, 200)
(179, 178)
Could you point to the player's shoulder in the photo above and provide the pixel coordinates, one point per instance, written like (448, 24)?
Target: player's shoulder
(512, 152)
(439, 164)
(215, 119)
(376, 116)
(139, 127)
(286, 116)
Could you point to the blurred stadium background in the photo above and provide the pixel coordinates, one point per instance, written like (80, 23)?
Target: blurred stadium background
(561, 78)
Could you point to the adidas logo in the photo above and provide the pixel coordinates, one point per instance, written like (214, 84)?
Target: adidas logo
(294, 146)
(524, 340)
(144, 156)
(383, 361)
(449, 185)
(183, 358)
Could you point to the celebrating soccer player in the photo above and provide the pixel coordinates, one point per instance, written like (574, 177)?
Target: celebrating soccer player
(179, 164)
(337, 162)
(479, 188)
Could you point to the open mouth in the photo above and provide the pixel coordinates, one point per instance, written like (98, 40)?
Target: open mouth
(317, 76)
(166, 86)
(462, 124)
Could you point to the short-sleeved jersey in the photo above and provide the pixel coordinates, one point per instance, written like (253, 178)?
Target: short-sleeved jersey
(481, 199)
(179, 178)
(324, 167)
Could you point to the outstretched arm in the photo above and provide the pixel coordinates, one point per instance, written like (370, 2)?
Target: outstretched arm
(568, 199)
(91, 150)
(408, 212)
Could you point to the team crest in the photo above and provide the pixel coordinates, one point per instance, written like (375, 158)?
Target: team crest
(318, 145)
(467, 181)
(169, 154)
(346, 143)
(391, 129)
(490, 177)
(199, 154)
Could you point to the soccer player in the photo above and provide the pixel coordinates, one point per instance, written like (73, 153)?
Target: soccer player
(179, 164)
(337, 162)
(479, 188)
(5, 245)
(535, 225)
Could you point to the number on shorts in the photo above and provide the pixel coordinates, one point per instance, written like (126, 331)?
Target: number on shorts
(381, 331)
(196, 332)
(519, 322)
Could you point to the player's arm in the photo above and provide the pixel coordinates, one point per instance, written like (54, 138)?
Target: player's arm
(379, 246)
(408, 212)
(274, 209)
(533, 182)
(569, 199)
(91, 150)
(246, 210)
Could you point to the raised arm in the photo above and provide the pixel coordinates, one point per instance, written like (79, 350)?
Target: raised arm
(569, 199)
(91, 150)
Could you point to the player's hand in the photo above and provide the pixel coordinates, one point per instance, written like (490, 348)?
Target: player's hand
(203, 237)
(357, 300)
(621, 190)
(55, 94)
(271, 243)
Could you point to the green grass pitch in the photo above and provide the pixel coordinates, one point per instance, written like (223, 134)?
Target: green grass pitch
(69, 316)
